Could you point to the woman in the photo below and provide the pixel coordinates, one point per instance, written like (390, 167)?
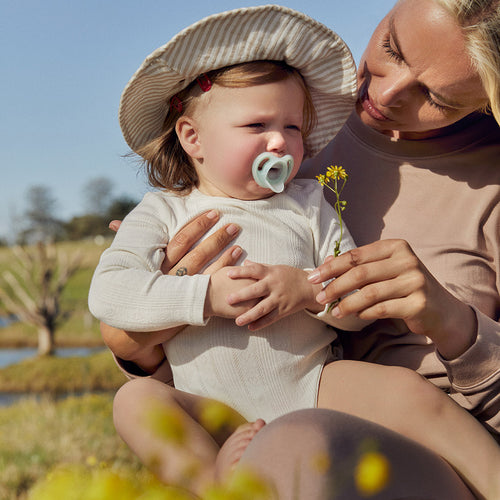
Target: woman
(418, 145)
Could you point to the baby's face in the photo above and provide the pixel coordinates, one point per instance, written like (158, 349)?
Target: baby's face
(235, 125)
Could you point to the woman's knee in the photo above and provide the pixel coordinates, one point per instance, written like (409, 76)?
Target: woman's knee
(414, 392)
(314, 454)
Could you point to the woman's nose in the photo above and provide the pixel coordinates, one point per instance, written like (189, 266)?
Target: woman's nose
(394, 89)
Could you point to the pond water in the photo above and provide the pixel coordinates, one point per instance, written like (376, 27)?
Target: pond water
(7, 320)
(14, 355)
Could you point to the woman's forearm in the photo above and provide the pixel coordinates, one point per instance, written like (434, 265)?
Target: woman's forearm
(143, 349)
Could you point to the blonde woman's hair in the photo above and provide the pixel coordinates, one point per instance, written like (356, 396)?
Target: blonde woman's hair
(166, 163)
(480, 21)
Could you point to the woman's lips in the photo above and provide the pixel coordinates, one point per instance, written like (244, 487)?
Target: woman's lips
(370, 108)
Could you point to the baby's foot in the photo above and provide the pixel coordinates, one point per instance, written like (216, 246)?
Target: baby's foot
(232, 450)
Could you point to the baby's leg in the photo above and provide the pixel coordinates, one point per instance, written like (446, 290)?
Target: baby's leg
(176, 445)
(234, 447)
(402, 400)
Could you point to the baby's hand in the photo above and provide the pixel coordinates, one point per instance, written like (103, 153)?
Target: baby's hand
(277, 290)
(219, 287)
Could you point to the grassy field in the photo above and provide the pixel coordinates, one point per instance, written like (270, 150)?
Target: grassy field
(40, 435)
(54, 375)
(41, 432)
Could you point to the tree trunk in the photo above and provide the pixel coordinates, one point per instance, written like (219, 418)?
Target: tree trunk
(45, 341)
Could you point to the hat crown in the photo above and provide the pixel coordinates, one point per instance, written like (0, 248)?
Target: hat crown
(269, 32)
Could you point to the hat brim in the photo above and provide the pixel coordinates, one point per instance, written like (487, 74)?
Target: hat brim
(269, 32)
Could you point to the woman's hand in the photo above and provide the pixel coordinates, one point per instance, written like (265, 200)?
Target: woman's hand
(144, 348)
(277, 291)
(180, 260)
(391, 282)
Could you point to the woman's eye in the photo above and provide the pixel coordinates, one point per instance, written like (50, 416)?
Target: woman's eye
(433, 103)
(390, 51)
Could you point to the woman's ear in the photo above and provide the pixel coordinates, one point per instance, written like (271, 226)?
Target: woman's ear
(187, 132)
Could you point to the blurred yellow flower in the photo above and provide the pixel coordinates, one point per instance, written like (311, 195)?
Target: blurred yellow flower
(167, 423)
(215, 416)
(372, 473)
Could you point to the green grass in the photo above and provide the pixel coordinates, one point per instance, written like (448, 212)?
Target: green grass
(37, 436)
(55, 375)
(40, 433)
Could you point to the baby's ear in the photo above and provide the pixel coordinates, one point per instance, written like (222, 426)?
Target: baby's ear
(187, 132)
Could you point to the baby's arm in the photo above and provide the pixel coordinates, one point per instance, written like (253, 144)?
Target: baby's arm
(277, 291)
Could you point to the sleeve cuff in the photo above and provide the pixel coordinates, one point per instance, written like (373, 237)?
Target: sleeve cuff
(480, 364)
(163, 373)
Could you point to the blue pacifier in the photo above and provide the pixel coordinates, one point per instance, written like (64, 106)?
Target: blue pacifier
(271, 172)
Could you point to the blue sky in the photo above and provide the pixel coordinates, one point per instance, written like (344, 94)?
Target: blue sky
(64, 64)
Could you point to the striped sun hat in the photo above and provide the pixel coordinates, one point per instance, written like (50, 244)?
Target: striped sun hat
(269, 32)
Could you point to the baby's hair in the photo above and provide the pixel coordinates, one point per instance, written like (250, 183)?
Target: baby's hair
(166, 163)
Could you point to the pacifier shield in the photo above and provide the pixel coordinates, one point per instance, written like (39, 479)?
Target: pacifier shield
(271, 172)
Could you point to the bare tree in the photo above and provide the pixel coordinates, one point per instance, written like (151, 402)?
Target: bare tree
(31, 289)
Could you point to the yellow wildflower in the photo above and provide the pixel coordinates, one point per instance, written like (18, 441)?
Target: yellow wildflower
(322, 179)
(336, 172)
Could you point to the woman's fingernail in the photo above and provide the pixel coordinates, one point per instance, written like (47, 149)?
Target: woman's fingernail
(335, 312)
(213, 214)
(236, 253)
(321, 297)
(313, 276)
(232, 229)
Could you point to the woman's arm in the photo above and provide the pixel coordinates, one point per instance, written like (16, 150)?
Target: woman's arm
(145, 349)
(393, 283)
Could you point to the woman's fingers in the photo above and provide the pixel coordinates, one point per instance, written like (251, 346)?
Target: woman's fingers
(373, 252)
(379, 300)
(370, 265)
(382, 280)
(114, 225)
(187, 236)
(228, 258)
(179, 261)
(194, 261)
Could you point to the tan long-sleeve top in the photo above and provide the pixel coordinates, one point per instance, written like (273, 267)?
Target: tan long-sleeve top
(442, 195)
